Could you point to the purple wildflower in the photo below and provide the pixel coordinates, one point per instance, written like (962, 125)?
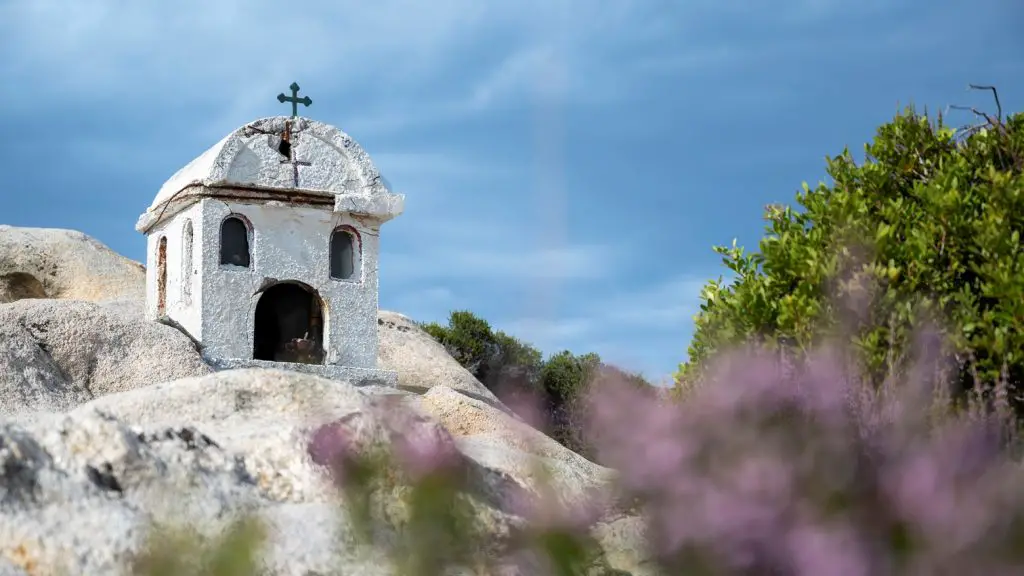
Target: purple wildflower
(421, 447)
(768, 468)
(333, 445)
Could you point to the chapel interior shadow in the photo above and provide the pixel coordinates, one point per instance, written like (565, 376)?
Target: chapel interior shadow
(289, 325)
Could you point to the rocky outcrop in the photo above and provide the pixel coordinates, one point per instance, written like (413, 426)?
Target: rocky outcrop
(421, 361)
(504, 443)
(78, 491)
(56, 354)
(64, 264)
(109, 422)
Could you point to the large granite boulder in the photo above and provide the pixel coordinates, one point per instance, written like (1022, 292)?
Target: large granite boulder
(79, 490)
(66, 264)
(56, 354)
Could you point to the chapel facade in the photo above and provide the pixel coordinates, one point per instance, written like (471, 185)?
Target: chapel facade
(265, 249)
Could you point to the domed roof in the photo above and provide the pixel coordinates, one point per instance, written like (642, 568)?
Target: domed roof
(280, 153)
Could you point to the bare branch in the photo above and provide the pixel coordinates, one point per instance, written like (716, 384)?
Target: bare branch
(996, 123)
(976, 113)
(995, 95)
(989, 121)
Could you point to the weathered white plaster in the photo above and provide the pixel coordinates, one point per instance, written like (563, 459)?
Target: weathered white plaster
(187, 314)
(249, 158)
(291, 219)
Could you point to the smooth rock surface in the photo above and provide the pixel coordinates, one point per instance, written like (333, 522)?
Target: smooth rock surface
(55, 354)
(511, 448)
(79, 490)
(421, 361)
(66, 264)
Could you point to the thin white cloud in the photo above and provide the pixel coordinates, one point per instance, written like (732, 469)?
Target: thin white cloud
(100, 44)
(116, 155)
(662, 306)
(414, 166)
(431, 303)
(804, 11)
(227, 56)
(700, 59)
(645, 329)
(538, 71)
(496, 257)
(550, 334)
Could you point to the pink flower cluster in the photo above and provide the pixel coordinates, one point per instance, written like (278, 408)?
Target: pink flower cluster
(419, 447)
(770, 470)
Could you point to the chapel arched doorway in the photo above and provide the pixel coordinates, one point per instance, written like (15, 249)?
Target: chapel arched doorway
(289, 325)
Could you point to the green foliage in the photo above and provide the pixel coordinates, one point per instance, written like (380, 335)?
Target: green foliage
(436, 529)
(515, 365)
(565, 375)
(182, 552)
(517, 372)
(507, 365)
(927, 228)
(467, 338)
(497, 360)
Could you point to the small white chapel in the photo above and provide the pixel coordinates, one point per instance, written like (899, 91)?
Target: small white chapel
(264, 249)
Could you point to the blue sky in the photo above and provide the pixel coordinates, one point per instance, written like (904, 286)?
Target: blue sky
(567, 164)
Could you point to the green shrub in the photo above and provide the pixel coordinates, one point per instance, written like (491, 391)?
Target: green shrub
(500, 362)
(565, 375)
(927, 228)
(520, 376)
(467, 338)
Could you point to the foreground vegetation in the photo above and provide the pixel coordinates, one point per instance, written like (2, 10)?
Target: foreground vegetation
(850, 400)
(927, 230)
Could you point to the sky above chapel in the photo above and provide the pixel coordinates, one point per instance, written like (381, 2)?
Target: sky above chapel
(567, 164)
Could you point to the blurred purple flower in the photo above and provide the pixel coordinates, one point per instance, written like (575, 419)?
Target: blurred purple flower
(333, 445)
(773, 468)
(528, 406)
(421, 447)
(546, 512)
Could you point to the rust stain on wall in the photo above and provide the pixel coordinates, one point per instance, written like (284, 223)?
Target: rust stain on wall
(161, 271)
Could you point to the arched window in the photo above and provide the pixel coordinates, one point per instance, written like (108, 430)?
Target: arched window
(344, 254)
(186, 262)
(234, 242)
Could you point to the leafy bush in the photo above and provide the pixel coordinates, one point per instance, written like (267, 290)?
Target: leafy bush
(565, 375)
(439, 526)
(928, 228)
(499, 361)
(468, 339)
(183, 552)
(518, 374)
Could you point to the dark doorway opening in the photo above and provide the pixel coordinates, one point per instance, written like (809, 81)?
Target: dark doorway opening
(289, 325)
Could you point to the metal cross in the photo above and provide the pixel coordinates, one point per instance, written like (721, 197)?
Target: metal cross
(294, 99)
